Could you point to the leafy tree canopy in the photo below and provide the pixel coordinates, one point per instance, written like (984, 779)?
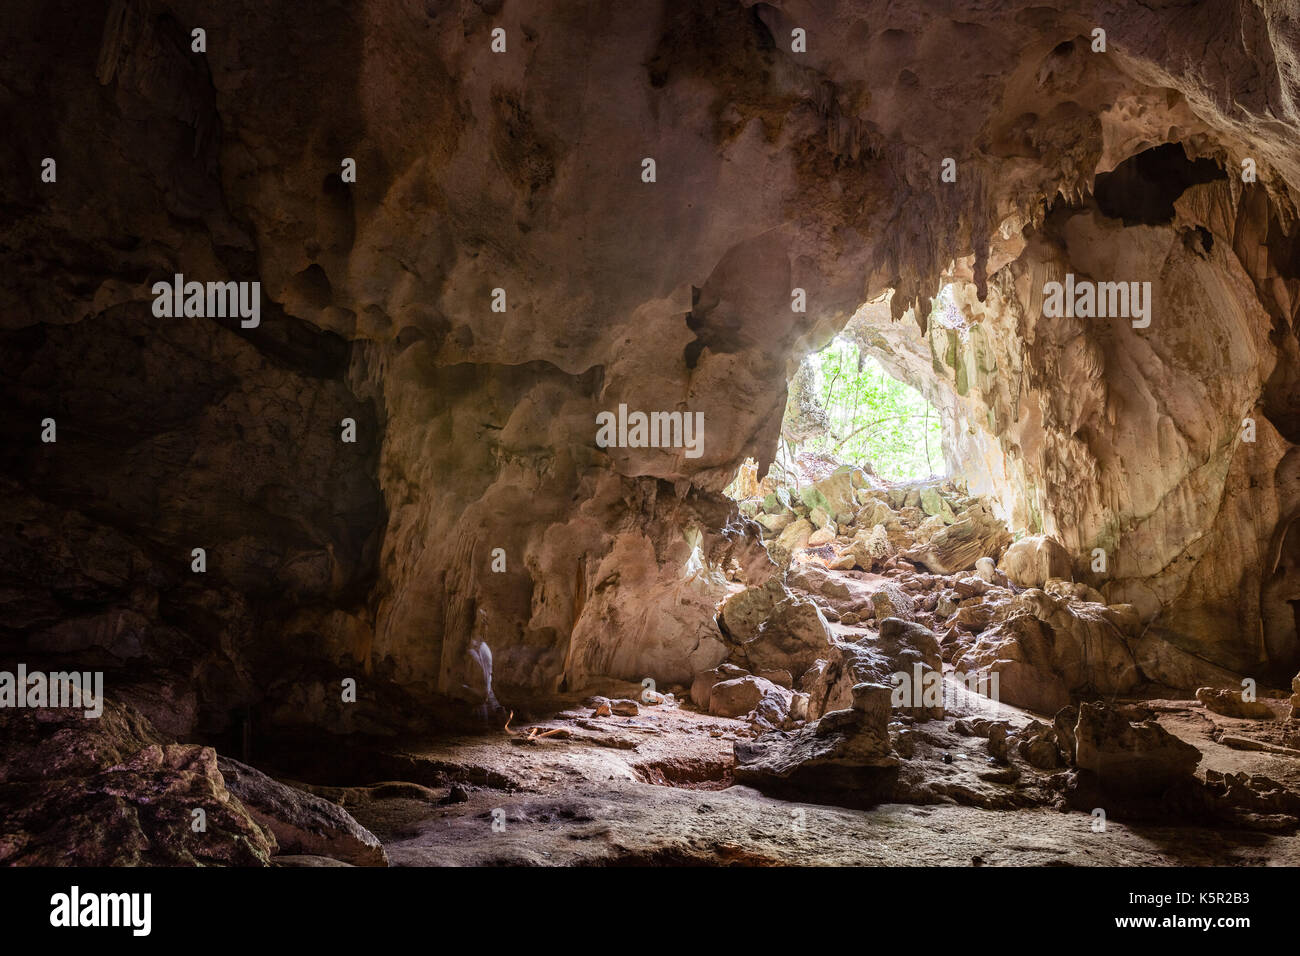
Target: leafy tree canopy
(871, 416)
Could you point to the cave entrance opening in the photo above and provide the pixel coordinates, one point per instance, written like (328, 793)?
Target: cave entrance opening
(845, 408)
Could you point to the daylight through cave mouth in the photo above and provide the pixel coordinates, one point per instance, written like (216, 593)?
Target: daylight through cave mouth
(845, 408)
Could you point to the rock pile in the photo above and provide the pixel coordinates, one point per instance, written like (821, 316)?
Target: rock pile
(863, 552)
(882, 580)
(872, 526)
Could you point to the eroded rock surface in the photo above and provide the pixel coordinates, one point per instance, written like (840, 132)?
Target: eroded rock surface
(110, 792)
(1130, 757)
(303, 823)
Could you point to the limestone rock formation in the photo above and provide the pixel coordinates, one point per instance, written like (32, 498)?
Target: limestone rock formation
(1045, 648)
(1232, 704)
(108, 792)
(1130, 757)
(740, 696)
(845, 754)
(303, 823)
(791, 638)
(900, 647)
(1032, 561)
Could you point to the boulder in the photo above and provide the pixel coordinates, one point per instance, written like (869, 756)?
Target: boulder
(1017, 654)
(798, 706)
(875, 512)
(795, 536)
(775, 523)
(844, 757)
(1231, 703)
(869, 548)
(735, 698)
(52, 743)
(1030, 561)
(794, 635)
(820, 537)
(1295, 697)
(975, 615)
(813, 499)
(1088, 649)
(933, 503)
(777, 502)
(912, 650)
(302, 822)
(702, 685)
(1130, 757)
(1038, 746)
(956, 547)
(946, 605)
(136, 813)
(110, 792)
(838, 591)
(836, 491)
(998, 742)
(743, 612)
(1043, 648)
(889, 600)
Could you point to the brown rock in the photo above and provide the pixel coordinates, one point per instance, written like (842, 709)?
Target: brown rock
(735, 698)
(958, 546)
(303, 823)
(1030, 561)
(101, 792)
(1230, 703)
(846, 753)
(1130, 757)
(793, 636)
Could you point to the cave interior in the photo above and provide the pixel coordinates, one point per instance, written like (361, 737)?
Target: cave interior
(451, 510)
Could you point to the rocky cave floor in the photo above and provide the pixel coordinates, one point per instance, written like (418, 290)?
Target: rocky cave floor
(626, 777)
(796, 750)
(658, 788)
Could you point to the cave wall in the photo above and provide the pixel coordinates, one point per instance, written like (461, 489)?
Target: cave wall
(1156, 444)
(522, 171)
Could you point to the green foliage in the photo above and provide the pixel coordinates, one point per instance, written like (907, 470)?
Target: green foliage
(873, 416)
